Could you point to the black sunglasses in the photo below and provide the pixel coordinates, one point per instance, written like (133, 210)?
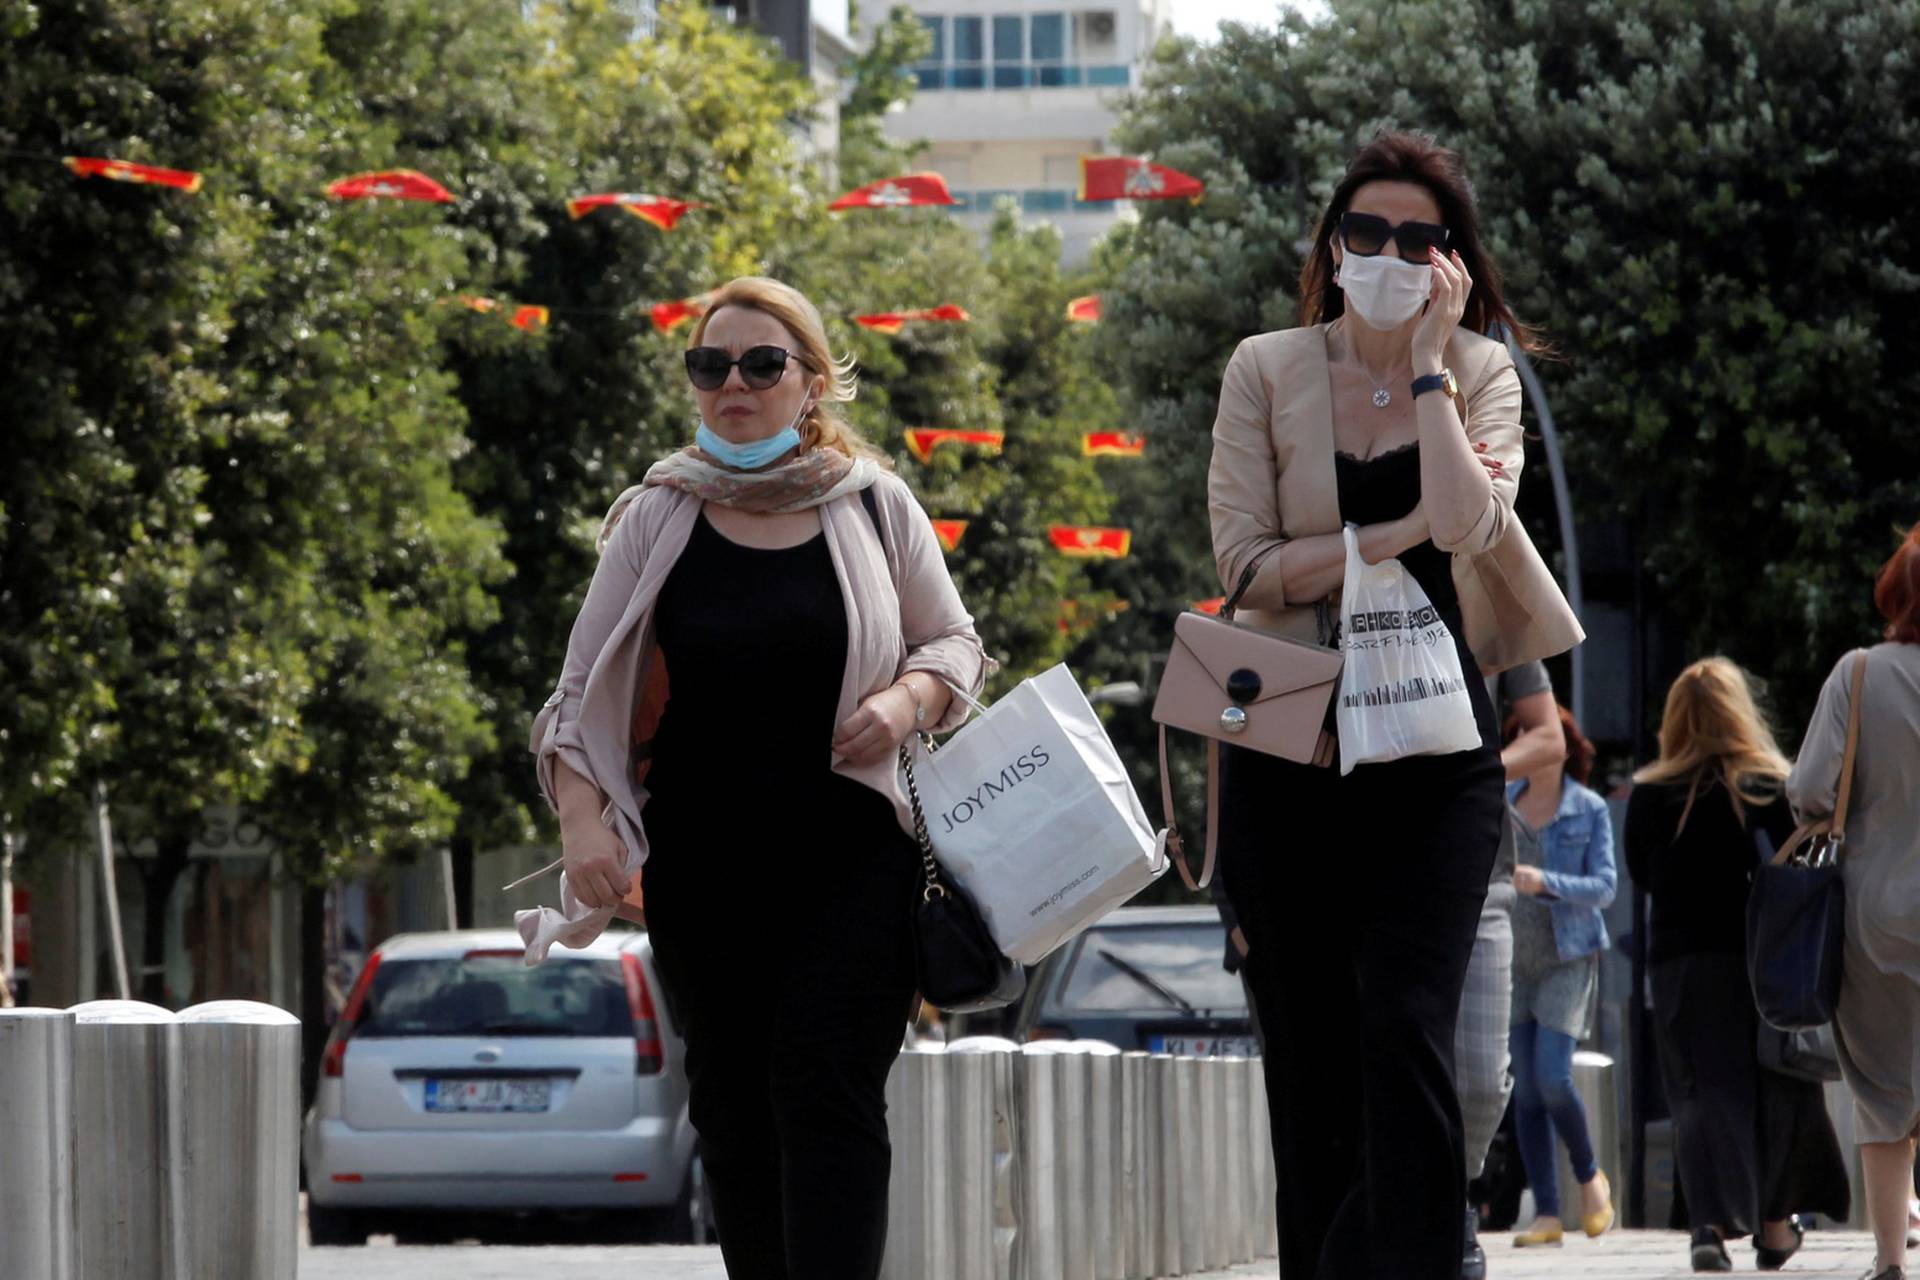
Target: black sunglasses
(1367, 234)
(760, 367)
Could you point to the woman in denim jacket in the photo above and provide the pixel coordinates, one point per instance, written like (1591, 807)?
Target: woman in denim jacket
(1565, 878)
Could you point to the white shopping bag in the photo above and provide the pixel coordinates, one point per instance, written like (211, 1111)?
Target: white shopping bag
(1031, 811)
(1402, 692)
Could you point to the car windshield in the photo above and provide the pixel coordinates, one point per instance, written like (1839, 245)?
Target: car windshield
(1152, 968)
(496, 995)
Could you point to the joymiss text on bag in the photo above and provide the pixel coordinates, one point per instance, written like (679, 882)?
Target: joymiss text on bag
(1022, 767)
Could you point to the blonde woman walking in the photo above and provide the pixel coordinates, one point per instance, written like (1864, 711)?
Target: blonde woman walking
(1754, 1146)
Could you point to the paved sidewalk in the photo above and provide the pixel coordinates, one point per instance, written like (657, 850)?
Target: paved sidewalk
(1623, 1255)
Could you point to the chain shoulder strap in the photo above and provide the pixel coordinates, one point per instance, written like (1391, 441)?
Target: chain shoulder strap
(929, 868)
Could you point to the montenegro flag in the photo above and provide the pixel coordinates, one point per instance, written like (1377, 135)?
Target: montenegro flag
(894, 321)
(1112, 444)
(897, 193)
(390, 184)
(924, 440)
(1090, 540)
(1134, 178)
(530, 318)
(1084, 310)
(668, 316)
(126, 171)
(659, 210)
(950, 532)
(1212, 606)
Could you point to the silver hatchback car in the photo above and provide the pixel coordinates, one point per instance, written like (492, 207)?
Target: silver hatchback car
(460, 1082)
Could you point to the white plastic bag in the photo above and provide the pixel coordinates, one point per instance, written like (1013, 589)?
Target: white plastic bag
(1030, 809)
(1402, 692)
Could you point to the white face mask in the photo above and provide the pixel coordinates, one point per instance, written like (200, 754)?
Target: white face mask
(1386, 290)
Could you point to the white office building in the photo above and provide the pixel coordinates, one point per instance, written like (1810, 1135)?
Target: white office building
(1016, 91)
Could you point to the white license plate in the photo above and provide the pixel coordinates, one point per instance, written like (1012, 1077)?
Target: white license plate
(452, 1094)
(1205, 1046)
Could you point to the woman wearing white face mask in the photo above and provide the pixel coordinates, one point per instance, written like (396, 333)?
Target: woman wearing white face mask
(770, 619)
(1387, 409)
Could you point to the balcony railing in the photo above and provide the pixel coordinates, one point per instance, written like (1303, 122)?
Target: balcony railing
(1030, 199)
(1022, 75)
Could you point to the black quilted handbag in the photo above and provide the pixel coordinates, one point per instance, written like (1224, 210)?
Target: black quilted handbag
(961, 970)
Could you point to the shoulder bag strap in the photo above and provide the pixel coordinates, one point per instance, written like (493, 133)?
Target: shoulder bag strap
(1834, 828)
(1853, 746)
(1176, 847)
(1232, 602)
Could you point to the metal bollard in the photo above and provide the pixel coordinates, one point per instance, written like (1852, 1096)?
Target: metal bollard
(37, 1219)
(1138, 1153)
(121, 1143)
(919, 1231)
(1593, 1080)
(1211, 1150)
(979, 1088)
(1236, 1192)
(1194, 1204)
(1106, 1205)
(1265, 1216)
(235, 1196)
(1039, 1250)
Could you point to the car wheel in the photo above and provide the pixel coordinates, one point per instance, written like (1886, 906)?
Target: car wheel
(335, 1226)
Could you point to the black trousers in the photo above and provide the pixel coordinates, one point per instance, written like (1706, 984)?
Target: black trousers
(789, 969)
(1753, 1146)
(1360, 897)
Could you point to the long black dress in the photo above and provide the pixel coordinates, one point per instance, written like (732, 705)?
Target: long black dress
(1753, 1146)
(1360, 897)
(778, 897)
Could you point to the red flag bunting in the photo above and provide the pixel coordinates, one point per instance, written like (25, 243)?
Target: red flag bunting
(1112, 444)
(668, 316)
(894, 321)
(1212, 606)
(897, 193)
(1134, 178)
(950, 532)
(126, 171)
(390, 184)
(526, 317)
(1085, 310)
(659, 210)
(1089, 540)
(924, 440)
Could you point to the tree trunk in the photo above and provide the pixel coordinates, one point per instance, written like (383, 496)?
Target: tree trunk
(461, 848)
(313, 987)
(158, 878)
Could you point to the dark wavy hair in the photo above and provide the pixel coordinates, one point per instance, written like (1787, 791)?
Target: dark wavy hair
(1580, 750)
(1415, 158)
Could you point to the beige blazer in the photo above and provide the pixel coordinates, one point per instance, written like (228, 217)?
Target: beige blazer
(1272, 479)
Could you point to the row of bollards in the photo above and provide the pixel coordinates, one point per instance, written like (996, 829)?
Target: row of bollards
(141, 1144)
(1075, 1161)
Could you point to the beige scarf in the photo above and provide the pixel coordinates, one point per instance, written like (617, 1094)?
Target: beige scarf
(812, 478)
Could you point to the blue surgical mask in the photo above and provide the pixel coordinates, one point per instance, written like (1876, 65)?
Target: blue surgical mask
(754, 454)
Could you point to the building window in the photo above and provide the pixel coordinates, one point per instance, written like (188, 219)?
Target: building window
(931, 71)
(1009, 52)
(969, 53)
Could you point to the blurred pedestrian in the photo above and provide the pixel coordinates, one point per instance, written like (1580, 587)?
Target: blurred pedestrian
(1481, 1059)
(1565, 878)
(1386, 409)
(1754, 1146)
(794, 588)
(1878, 1023)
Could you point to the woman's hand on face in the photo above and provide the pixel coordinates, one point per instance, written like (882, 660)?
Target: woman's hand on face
(596, 863)
(877, 727)
(1451, 288)
(1529, 881)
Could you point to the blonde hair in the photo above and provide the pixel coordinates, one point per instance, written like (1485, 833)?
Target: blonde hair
(823, 427)
(1715, 730)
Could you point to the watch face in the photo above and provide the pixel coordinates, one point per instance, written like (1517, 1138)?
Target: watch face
(1448, 383)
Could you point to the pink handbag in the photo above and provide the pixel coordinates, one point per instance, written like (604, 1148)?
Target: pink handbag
(1238, 684)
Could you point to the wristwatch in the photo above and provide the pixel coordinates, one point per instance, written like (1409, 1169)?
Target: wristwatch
(1441, 381)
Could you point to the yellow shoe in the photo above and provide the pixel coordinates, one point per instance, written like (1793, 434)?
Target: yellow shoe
(1538, 1235)
(1597, 1224)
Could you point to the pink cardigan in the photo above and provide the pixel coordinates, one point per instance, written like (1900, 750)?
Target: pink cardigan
(903, 614)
